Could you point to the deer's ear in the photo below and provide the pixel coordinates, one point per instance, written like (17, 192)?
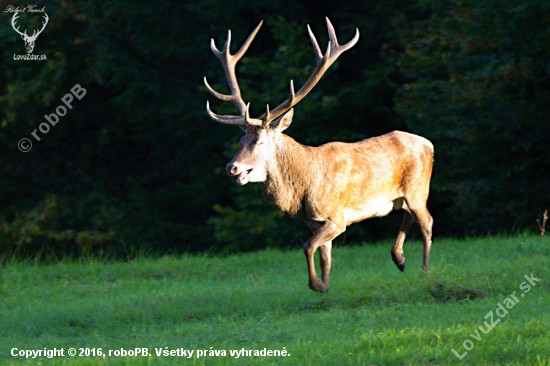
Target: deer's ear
(282, 123)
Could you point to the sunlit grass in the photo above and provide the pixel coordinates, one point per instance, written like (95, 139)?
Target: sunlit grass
(373, 314)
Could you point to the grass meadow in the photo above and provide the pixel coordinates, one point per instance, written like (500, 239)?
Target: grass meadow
(373, 314)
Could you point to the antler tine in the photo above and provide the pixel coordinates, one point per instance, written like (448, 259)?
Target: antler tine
(247, 43)
(265, 121)
(234, 120)
(252, 121)
(13, 19)
(226, 50)
(316, 49)
(334, 50)
(334, 40)
(228, 120)
(331, 32)
(225, 98)
(228, 62)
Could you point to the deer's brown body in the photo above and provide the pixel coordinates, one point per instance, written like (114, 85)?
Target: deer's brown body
(334, 185)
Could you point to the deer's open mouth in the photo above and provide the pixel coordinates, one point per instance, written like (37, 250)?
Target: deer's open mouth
(244, 176)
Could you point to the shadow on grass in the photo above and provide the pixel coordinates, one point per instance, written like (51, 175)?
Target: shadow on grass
(457, 293)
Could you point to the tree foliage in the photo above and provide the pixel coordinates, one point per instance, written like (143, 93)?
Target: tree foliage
(137, 164)
(478, 86)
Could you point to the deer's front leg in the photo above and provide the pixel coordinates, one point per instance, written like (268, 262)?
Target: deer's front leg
(321, 237)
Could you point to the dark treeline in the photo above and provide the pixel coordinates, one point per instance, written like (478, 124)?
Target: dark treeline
(136, 164)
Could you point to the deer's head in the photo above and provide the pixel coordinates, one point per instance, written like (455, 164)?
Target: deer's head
(29, 40)
(257, 147)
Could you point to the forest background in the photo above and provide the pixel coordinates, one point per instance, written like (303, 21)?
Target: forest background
(137, 166)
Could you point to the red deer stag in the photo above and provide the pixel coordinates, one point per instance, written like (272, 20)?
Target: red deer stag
(334, 185)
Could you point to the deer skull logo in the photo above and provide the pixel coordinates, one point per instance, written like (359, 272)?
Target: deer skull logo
(29, 40)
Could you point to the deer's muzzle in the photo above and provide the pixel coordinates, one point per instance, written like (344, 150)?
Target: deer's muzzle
(241, 171)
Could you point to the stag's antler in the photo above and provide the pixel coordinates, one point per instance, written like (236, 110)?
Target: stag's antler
(229, 62)
(43, 26)
(334, 50)
(34, 33)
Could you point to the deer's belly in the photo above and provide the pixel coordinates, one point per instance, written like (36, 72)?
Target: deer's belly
(377, 207)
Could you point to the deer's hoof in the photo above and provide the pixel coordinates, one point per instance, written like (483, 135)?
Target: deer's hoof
(401, 266)
(399, 260)
(318, 285)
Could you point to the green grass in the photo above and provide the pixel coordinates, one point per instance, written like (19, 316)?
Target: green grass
(373, 314)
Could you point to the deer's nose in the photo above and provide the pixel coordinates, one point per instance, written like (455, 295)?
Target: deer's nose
(231, 169)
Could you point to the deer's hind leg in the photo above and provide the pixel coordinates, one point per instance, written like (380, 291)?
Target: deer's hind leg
(422, 216)
(416, 189)
(397, 248)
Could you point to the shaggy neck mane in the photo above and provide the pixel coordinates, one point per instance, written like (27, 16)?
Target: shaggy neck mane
(290, 175)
